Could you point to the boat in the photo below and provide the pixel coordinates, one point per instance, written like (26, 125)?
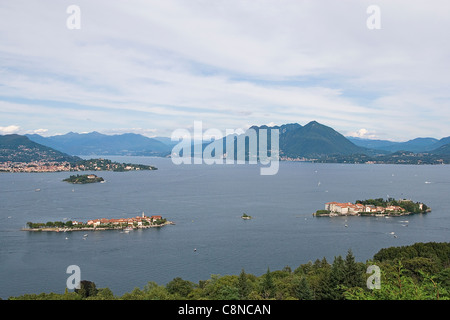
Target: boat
(85, 235)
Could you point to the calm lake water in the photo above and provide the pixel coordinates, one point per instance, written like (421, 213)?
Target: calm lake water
(206, 203)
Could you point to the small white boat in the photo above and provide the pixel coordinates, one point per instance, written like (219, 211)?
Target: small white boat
(85, 235)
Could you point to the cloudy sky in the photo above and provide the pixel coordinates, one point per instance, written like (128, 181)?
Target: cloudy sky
(154, 66)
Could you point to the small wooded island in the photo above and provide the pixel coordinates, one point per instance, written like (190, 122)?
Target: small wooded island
(83, 179)
(373, 207)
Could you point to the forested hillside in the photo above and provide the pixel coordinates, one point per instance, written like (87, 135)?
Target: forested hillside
(417, 272)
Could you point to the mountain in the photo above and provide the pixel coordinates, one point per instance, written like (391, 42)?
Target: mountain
(417, 145)
(414, 145)
(17, 148)
(372, 143)
(316, 140)
(313, 140)
(442, 150)
(95, 143)
(439, 144)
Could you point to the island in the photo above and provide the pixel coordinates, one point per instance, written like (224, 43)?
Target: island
(246, 217)
(84, 178)
(127, 224)
(373, 207)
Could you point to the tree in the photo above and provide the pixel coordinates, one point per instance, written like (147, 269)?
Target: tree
(87, 289)
(353, 273)
(267, 286)
(337, 278)
(303, 291)
(243, 286)
(180, 287)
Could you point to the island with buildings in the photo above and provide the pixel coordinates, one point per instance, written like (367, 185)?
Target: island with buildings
(138, 222)
(373, 207)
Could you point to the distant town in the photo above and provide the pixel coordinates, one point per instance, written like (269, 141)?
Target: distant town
(377, 207)
(84, 165)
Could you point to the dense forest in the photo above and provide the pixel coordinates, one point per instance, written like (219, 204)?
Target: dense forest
(417, 272)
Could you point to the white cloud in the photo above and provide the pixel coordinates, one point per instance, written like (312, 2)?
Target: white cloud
(362, 133)
(9, 129)
(42, 132)
(164, 64)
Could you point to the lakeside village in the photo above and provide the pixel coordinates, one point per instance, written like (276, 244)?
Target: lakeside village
(127, 224)
(83, 165)
(373, 207)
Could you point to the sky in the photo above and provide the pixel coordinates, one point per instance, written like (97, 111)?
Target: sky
(154, 66)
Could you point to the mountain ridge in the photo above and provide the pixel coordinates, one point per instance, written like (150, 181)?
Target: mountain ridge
(95, 143)
(311, 141)
(18, 148)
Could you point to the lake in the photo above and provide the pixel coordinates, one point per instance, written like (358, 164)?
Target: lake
(209, 237)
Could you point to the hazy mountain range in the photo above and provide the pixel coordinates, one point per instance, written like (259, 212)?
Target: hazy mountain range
(415, 145)
(312, 140)
(95, 143)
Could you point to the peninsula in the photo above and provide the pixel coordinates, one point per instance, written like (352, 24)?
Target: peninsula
(138, 222)
(373, 207)
(81, 165)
